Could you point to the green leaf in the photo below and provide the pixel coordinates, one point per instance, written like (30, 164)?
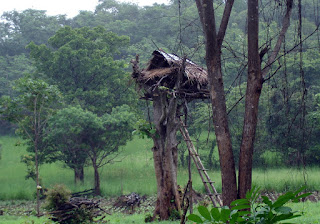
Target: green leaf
(240, 207)
(255, 193)
(225, 215)
(299, 190)
(195, 218)
(282, 217)
(215, 213)
(204, 212)
(234, 218)
(283, 210)
(243, 213)
(283, 199)
(266, 200)
(301, 196)
(239, 202)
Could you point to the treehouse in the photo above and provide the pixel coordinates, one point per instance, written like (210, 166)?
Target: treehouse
(170, 82)
(164, 69)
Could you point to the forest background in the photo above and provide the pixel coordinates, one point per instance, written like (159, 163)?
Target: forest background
(289, 114)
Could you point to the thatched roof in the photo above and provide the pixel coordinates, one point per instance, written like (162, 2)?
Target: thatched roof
(162, 64)
(163, 69)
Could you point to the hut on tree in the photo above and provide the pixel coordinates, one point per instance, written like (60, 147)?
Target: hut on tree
(169, 82)
(164, 70)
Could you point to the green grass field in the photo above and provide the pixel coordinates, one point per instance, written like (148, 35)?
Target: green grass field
(133, 172)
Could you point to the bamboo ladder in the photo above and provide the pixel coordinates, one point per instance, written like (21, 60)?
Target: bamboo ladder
(208, 184)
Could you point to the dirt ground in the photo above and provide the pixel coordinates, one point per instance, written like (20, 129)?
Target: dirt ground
(118, 204)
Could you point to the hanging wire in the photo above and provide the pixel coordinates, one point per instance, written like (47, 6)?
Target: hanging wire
(180, 29)
(303, 95)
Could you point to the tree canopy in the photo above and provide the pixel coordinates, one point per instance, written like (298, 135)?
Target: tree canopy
(82, 63)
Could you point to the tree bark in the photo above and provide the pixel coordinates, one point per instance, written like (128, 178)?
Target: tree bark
(165, 155)
(253, 92)
(254, 87)
(78, 175)
(97, 190)
(220, 117)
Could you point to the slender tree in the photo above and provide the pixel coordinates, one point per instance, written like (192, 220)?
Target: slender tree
(214, 38)
(220, 118)
(254, 87)
(35, 103)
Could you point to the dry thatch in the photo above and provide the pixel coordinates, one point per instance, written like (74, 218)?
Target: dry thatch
(163, 64)
(163, 70)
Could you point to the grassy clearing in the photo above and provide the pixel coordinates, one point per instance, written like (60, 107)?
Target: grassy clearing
(6, 219)
(135, 173)
(285, 179)
(311, 214)
(113, 219)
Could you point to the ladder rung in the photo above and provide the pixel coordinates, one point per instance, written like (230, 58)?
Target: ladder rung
(199, 165)
(213, 194)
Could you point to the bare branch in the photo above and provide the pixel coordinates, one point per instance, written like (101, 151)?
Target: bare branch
(200, 11)
(224, 22)
(236, 103)
(276, 49)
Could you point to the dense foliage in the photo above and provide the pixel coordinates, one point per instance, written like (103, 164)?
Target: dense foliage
(88, 56)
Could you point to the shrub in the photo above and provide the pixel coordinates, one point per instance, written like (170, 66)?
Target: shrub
(252, 210)
(83, 214)
(57, 196)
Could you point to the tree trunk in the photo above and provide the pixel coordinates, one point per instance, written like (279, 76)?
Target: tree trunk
(78, 175)
(220, 117)
(166, 156)
(37, 174)
(221, 127)
(254, 86)
(97, 190)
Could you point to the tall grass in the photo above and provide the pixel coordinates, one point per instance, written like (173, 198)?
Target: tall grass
(12, 173)
(132, 172)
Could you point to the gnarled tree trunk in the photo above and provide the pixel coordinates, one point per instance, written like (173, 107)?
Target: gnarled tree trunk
(165, 155)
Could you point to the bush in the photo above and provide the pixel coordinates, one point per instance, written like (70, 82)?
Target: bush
(57, 196)
(251, 210)
(67, 210)
(83, 214)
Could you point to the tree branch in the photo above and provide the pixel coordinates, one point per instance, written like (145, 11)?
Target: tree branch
(224, 22)
(276, 49)
(200, 11)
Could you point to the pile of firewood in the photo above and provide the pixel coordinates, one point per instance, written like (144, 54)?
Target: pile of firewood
(77, 209)
(128, 201)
